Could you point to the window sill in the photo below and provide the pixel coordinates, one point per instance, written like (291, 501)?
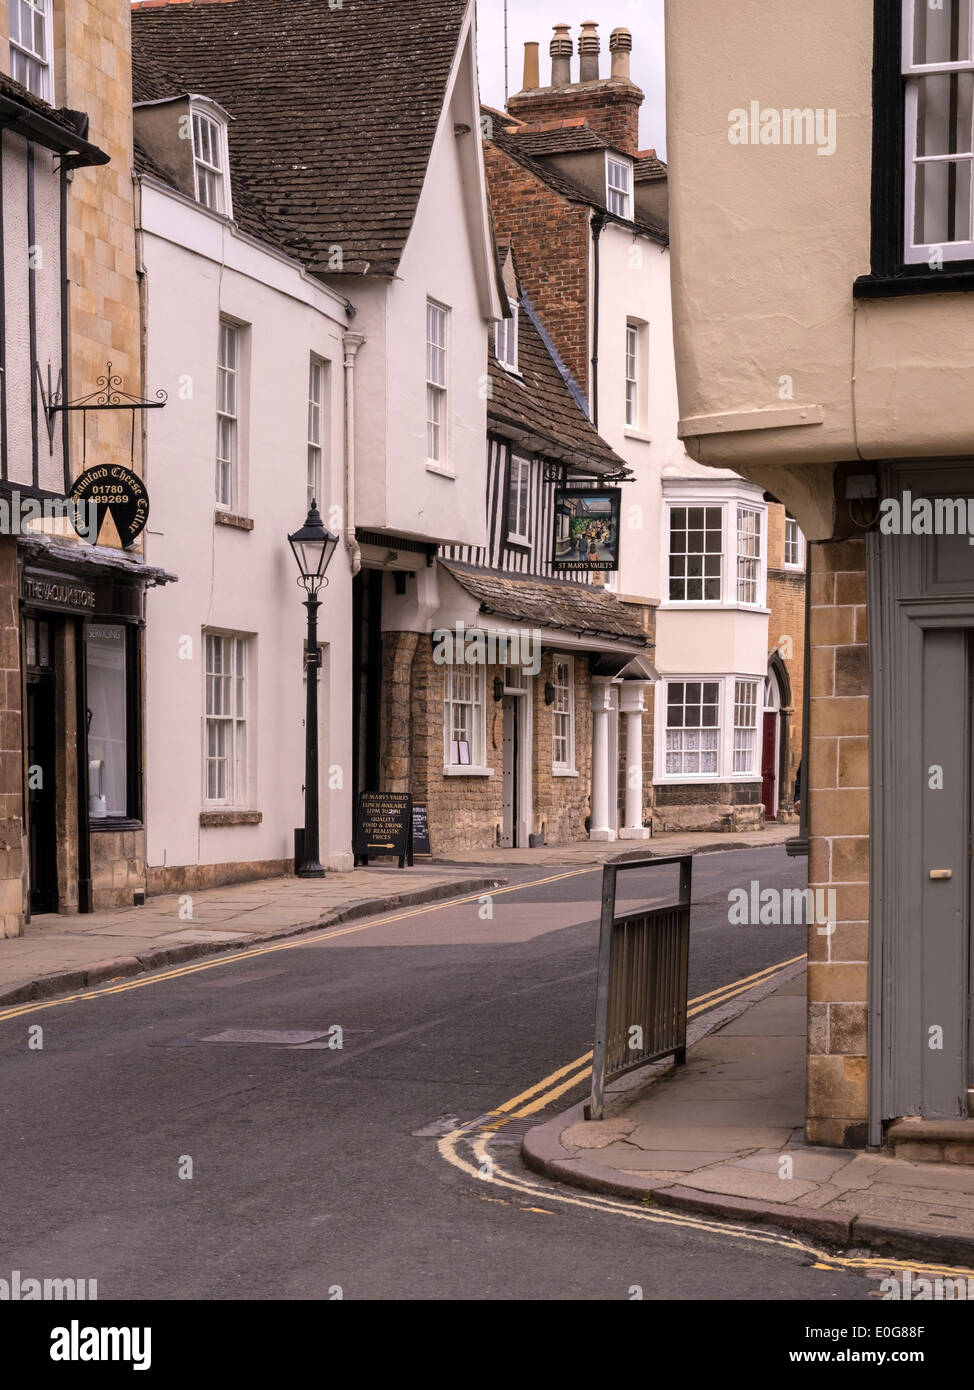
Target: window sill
(795, 569)
(440, 471)
(109, 823)
(518, 543)
(564, 772)
(688, 605)
(230, 817)
(631, 433)
(918, 279)
(241, 523)
(468, 772)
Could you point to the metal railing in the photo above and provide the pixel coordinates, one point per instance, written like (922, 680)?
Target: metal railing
(641, 1000)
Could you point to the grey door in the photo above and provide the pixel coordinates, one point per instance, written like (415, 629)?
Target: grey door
(942, 864)
(511, 773)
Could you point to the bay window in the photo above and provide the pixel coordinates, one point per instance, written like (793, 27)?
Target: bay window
(707, 729)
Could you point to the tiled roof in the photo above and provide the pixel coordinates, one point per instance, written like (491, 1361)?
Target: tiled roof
(647, 165)
(540, 403)
(513, 145)
(334, 111)
(552, 603)
(560, 137)
(59, 116)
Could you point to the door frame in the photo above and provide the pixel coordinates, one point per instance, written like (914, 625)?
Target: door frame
(905, 597)
(523, 698)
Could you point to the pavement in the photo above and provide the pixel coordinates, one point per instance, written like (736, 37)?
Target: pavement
(61, 952)
(597, 852)
(723, 1135)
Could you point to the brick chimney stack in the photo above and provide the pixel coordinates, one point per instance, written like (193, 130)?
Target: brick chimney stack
(610, 105)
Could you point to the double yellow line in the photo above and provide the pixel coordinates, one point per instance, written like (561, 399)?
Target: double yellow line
(542, 1093)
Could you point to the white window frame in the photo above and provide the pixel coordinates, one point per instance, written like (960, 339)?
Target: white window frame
(317, 375)
(231, 714)
(505, 340)
(705, 505)
(749, 559)
(632, 375)
(794, 543)
(519, 470)
(437, 386)
(228, 377)
(28, 62)
(730, 502)
(477, 704)
(203, 120)
(618, 188)
(712, 731)
(734, 737)
(914, 73)
(747, 702)
(563, 708)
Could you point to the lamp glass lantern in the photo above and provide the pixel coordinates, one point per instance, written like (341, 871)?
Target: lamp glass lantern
(313, 547)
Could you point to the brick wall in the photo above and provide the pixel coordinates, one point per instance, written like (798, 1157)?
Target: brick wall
(839, 844)
(610, 106)
(551, 240)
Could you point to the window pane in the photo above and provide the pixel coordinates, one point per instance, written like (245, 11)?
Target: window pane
(942, 34)
(944, 106)
(108, 723)
(943, 202)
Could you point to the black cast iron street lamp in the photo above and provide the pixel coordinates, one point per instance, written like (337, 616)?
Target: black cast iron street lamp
(313, 548)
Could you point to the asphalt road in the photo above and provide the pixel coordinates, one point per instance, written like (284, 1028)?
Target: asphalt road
(316, 1169)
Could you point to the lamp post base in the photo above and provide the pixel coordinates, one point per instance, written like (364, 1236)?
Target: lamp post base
(310, 871)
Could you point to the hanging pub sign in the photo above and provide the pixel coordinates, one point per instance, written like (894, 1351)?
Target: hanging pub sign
(586, 529)
(384, 825)
(114, 502)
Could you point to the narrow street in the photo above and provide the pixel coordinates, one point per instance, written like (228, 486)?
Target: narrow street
(316, 1168)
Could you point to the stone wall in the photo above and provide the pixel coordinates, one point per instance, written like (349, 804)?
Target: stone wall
(839, 844)
(562, 804)
(718, 806)
(117, 868)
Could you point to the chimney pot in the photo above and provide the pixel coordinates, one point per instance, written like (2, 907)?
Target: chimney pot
(561, 56)
(532, 78)
(588, 49)
(620, 46)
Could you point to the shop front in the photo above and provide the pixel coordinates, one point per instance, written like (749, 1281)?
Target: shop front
(81, 612)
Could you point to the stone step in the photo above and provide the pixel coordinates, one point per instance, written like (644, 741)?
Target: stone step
(932, 1141)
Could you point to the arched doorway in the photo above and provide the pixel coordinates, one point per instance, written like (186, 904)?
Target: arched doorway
(774, 742)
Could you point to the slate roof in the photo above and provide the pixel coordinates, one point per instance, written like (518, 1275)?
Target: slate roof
(540, 401)
(513, 145)
(552, 603)
(334, 111)
(58, 115)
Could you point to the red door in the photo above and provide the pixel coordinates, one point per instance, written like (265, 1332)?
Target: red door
(769, 772)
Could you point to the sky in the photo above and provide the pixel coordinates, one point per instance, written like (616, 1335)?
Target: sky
(534, 20)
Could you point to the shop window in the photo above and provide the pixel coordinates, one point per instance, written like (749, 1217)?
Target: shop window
(109, 741)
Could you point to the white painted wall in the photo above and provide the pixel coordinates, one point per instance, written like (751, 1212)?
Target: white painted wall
(197, 269)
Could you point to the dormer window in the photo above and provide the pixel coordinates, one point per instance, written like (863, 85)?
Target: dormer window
(30, 46)
(210, 164)
(618, 195)
(505, 340)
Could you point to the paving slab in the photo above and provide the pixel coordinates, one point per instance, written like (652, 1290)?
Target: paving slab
(721, 1124)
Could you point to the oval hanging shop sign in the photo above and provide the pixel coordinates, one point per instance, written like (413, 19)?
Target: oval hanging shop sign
(115, 502)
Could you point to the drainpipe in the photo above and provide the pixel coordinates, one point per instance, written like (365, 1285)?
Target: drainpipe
(598, 222)
(352, 341)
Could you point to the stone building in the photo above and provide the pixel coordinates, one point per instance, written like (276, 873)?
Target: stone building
(566, 171)
(73, 589)
(823, 263)
(781, 735)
